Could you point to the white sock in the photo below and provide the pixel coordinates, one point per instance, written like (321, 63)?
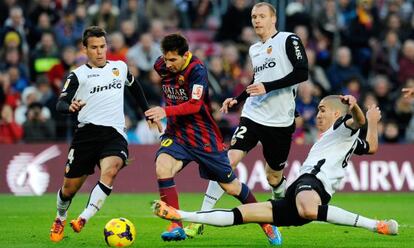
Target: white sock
(340, 216)
(213, 194)
(62, 206)
(213, 217)
(96, 200)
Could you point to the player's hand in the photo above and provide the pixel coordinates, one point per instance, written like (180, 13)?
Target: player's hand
(256, 89)
(155, 114)
(373, 113)
(155, 124)
(228, 103)
(76, 106)
(408, 92)
(349, 100)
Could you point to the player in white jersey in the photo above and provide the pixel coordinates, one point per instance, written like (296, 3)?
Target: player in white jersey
(307, 197)
(95, 91)
(280, 63)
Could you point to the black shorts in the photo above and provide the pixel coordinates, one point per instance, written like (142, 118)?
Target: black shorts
(275, 141)
(285, 212)
(90, 144)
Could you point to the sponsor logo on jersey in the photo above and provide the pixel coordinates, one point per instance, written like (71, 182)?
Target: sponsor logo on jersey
(298, 53)
(175, 93)
(197, 92)
(181, 80)
(113, 85)
(269, 63)
(65, 86)
(93, 75)
(269, 50)
(115, 71)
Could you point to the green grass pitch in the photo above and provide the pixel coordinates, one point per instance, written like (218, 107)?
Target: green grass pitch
(25, 222)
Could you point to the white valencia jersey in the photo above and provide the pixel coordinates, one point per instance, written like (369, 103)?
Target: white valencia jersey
(102, 89)
(271, 62)
(328, 157)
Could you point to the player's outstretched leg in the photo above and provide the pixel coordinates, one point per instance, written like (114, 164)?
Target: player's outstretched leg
(165, 211)
(387, 227)
(273, 235)
(56, 232)
(194, 229)
(175, 231)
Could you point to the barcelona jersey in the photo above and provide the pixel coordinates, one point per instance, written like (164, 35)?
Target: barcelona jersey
(185, 93)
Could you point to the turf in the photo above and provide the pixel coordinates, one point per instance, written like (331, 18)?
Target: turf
(25, 222)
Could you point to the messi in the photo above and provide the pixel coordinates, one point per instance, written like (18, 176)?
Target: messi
(113, 85)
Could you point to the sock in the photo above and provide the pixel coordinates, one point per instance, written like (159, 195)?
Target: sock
(168, 194)
(62, 205)
(210, 217)
(246, 196)
(278, 191)
(96, 200)
(212, 195)
(340, 216)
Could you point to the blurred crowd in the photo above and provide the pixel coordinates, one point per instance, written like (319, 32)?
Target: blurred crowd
(360, 47)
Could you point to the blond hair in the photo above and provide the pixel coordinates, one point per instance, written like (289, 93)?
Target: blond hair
(271, 7)
(334, 102)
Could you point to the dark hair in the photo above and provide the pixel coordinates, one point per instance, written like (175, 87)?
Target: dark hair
(92, 31)
(174, 42)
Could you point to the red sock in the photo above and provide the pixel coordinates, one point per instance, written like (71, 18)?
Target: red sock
(168, 194)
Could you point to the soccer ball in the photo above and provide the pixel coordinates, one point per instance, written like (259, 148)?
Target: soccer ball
(119, 232)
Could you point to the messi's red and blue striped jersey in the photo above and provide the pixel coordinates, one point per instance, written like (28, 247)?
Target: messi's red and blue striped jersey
(187, 106)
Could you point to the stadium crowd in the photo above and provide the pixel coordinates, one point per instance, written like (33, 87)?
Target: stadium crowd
(363, 48)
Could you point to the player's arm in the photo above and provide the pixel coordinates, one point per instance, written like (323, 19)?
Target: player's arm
(373, 117)
(66, 104)
(358, 118)
(230, 102)
(137, 92)
(297, 57)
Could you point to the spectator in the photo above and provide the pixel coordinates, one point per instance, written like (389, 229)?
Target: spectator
(29, 96)
(37, 127)
(10, 131)
(44, 6)
(342, 70)
(104, 15)
(317, 74)
(129, 32)
(163, 10)
(391, 132)
(13, 59)
(59, 71)
(406, 62)
(45, 56)
(234, 20)
(69, 29)
(117, 49)
(144, 53)
(135, 13)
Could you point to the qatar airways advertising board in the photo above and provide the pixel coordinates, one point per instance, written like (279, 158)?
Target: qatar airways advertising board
(37, 169)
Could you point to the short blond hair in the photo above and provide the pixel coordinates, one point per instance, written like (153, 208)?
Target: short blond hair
(334, 102)
(271, 7)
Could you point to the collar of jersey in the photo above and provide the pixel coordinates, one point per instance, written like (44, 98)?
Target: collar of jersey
(273, 36)
(190, 55)
(90, 67)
